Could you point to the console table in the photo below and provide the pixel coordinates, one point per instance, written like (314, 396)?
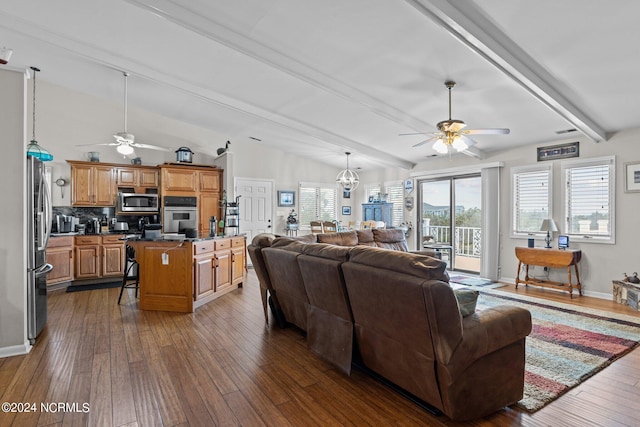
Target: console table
(552, 258)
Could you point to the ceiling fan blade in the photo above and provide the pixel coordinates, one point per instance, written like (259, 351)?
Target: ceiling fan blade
(426, 141)
(93, 145)
(149, 146)
(417, 133)
(495, 131)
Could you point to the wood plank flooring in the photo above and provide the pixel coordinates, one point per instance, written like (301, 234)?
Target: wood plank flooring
(221, 366)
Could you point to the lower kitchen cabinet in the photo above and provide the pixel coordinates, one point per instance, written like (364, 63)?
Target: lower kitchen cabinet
(60, 255)
(99, 256)
(238, 259)
(210, 271)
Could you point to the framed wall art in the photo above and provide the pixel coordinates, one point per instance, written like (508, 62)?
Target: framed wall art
(555, 152)
(286, 198)
(346, 210)
(632, 177)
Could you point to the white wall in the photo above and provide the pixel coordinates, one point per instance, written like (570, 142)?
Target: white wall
(600, 262)
(13, 260)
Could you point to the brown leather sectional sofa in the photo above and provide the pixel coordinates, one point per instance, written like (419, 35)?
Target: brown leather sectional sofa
(395, 313)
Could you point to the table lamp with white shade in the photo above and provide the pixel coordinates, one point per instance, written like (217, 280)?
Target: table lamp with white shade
(549, 226)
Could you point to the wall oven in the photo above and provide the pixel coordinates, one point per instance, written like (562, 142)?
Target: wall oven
(179, 213)
(131, 203)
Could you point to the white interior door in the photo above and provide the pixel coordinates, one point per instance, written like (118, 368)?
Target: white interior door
(256, 206)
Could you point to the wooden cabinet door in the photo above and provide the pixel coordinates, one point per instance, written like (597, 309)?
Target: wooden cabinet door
(208, 206)
(87, 261)
(126, 177)
(81, 185)
(113, 260)
(204, 276)
(62, 261)
(103, 186)
(147, 178)
(223, 269)
(210, 181)
(237, 263)
(179, 179)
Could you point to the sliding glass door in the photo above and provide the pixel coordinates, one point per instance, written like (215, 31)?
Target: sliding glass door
(451, 220)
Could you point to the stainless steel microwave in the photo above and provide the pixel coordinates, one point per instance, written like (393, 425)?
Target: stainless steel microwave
(137, 203)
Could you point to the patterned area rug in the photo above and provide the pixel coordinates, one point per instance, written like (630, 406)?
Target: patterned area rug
(566, 346)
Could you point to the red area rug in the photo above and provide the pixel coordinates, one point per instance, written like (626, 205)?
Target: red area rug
(567, 344)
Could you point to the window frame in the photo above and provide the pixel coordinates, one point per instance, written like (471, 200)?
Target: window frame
(565, 166)
(399, 209)
(304, 225)
(517, 170)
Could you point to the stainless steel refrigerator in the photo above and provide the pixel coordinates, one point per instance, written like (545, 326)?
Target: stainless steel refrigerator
(39, 229)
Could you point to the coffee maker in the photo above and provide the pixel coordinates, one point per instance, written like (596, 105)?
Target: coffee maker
(92, 226)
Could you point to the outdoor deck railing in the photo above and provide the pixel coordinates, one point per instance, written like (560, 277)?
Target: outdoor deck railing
(467, 239)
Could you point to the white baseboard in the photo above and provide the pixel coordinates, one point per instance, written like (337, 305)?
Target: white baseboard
(15, 350)
(601, 295)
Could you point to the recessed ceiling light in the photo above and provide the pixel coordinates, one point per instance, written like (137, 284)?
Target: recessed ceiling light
(560, 132)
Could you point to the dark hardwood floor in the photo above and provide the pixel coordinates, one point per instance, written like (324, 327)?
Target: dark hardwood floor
(222, 366)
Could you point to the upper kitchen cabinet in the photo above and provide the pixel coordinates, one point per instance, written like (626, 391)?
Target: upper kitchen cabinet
(179, 179)
(92, 185)
(142, 177)
(210, 181)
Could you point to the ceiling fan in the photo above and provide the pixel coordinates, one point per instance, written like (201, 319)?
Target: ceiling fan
(452, 133)
(124, 141)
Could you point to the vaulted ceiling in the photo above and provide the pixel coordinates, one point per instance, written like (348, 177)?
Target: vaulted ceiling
(324, 77)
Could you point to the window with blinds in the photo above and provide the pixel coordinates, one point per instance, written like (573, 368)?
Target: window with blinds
(588, 198)
(531, 199)
(395, 195)
(371, 191)
(317, 202)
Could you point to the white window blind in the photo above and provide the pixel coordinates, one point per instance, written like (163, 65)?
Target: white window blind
(531, 199)
(589, 198)
(371, 190)
(395, 195)
(317, 202)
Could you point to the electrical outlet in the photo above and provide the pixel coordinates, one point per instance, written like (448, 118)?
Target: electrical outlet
(165, 258)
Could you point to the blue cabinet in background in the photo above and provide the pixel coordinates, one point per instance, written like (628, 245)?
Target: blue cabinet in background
(377, 212)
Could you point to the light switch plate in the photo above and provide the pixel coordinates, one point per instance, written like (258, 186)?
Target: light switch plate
(165, 258)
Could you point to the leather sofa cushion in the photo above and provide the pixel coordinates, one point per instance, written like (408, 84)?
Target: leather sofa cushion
(328, 251)
(288, 244)
(417, 265)
(365, 237)
(263, 240)
(390, 239)
(349, 238)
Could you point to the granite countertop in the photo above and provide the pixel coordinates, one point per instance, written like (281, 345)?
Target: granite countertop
(175, 237)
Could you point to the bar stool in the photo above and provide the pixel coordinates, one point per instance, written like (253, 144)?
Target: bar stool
(131, 262)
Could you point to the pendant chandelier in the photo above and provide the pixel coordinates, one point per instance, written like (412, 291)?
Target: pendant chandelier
(348, 179)
(33, 149)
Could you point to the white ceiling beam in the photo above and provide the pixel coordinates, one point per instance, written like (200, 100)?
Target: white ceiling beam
(468, 24)
(179, 14)
(116, 61)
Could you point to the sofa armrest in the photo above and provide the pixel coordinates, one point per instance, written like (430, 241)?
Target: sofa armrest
(487, 331)
(428, 252)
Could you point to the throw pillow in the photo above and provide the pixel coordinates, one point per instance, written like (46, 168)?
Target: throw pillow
(467, 300)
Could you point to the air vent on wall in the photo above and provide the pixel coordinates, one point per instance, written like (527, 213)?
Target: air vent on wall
(561, 132)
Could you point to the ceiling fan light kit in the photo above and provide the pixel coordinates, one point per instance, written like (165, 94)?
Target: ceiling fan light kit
(452, 133)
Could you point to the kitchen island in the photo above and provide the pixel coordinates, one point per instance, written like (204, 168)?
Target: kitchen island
(181, 274)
